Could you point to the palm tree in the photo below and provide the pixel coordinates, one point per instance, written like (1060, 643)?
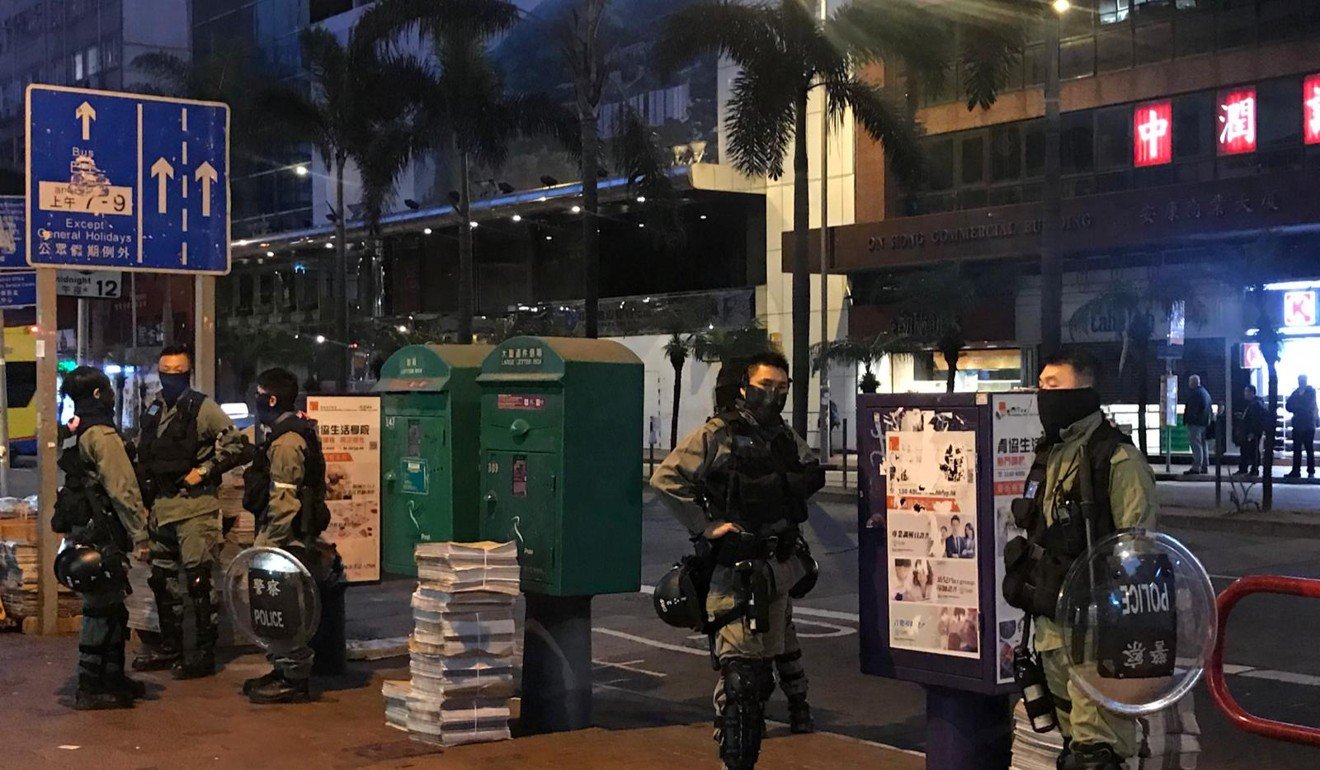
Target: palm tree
(354, 94)
(785, 52)
(1137, 310)
(464, 106)
(676, 350)
(584, 53)
(866, 351)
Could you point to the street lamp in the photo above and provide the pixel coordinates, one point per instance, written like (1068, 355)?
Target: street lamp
(1061, 6)
(301, 170)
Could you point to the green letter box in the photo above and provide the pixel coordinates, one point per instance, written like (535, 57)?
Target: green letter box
(561, 443)
(430, 412)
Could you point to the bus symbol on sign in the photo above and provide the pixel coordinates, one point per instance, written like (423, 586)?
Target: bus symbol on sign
(1299, 308)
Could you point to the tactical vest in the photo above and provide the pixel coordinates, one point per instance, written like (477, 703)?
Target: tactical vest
(765, 485)
(1037, 564)
(165, 458)
(82, 506)
(313, 514)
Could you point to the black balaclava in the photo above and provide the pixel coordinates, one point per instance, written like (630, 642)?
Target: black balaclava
(1062, 408)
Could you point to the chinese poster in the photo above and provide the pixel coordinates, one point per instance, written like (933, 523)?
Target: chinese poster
(1016, 432)
(933, 585)
(350, 437)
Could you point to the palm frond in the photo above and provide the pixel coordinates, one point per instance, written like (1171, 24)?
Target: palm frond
(883, 121)
(897, 31)
(742, 32)
(761, 120)
(647, 170)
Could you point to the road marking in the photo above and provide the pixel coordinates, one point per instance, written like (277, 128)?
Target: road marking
(651, 642)
(833, 630)
(184, 118)
(184, 153)
(1306, 680)
(630, 665)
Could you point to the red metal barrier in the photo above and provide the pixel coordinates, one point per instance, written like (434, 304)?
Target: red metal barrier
(1224, 701)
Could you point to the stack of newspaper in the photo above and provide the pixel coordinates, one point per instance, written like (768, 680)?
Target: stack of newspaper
(462, 645)
(1166, 740)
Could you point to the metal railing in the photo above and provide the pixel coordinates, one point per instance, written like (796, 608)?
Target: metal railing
(1224, 700)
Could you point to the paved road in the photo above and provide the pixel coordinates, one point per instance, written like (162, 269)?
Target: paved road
(1271, 646)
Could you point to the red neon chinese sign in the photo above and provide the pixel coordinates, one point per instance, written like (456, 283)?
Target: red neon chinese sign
(1237, 121)
(1311, 109)
(1152, 134)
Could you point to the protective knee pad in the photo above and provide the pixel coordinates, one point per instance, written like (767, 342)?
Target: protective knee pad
(203, 600)
(745, 682)
(1090, 756)
(199, 582)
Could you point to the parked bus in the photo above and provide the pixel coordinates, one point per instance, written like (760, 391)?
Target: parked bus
(21, 377)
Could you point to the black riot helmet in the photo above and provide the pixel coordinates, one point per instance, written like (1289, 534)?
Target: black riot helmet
(678, 599)
(85, 569)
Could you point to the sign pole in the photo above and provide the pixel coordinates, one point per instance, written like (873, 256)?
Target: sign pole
(4, 409)
(204, 334)
(83, 335)
(47, 437)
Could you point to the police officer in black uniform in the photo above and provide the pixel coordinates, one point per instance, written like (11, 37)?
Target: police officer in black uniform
(99, 510)
(741, 483)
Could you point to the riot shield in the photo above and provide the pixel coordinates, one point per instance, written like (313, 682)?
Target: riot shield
(272, 598)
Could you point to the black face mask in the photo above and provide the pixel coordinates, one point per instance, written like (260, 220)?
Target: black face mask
(1061, 408)
(174, 385)
(764, 405)
(266, 414)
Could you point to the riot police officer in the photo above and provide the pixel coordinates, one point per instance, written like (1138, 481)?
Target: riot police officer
(100, 511)
(285, 490)
(1086, 482)
(186, 445)
(741, 482)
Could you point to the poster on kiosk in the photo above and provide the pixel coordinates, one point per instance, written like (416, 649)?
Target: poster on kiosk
(938, 475)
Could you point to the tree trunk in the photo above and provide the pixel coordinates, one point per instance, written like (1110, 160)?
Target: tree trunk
(344, 369)
(1051, 264)
(466, 285)
(801, 273)
(590, 222)
(678, 395)
(951, 360)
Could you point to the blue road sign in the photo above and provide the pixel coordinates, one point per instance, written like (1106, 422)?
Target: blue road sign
(18, 288)
(127, 181)
(12, 232)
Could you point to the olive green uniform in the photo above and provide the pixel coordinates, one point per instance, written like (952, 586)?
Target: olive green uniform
(681, 478)
(185, 525)
(1133, 502)
(288, 455)
(105, 620)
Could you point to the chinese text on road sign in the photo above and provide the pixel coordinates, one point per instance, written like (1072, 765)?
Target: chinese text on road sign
(127, 182)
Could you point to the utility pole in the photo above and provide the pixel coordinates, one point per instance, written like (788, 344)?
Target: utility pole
(1051, 267)
(824, 263)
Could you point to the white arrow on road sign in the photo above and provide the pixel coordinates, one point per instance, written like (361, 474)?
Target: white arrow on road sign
(207, 175)
(162, 171)
(86, 114)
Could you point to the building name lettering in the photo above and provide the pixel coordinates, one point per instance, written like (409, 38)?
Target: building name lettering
(971, 233)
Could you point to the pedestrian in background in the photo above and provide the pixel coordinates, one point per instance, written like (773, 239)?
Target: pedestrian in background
(1303, 407)
(1251, 424)
(1197, 416)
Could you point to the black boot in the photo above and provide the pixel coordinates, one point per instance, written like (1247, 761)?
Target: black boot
(1091, 756)
(261, 681)
(200, 662)
(99, 700)
(799, 715)
(281, 690)
(165, 652)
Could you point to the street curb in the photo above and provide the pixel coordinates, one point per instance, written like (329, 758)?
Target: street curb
(836, 495)
(1241, 523)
